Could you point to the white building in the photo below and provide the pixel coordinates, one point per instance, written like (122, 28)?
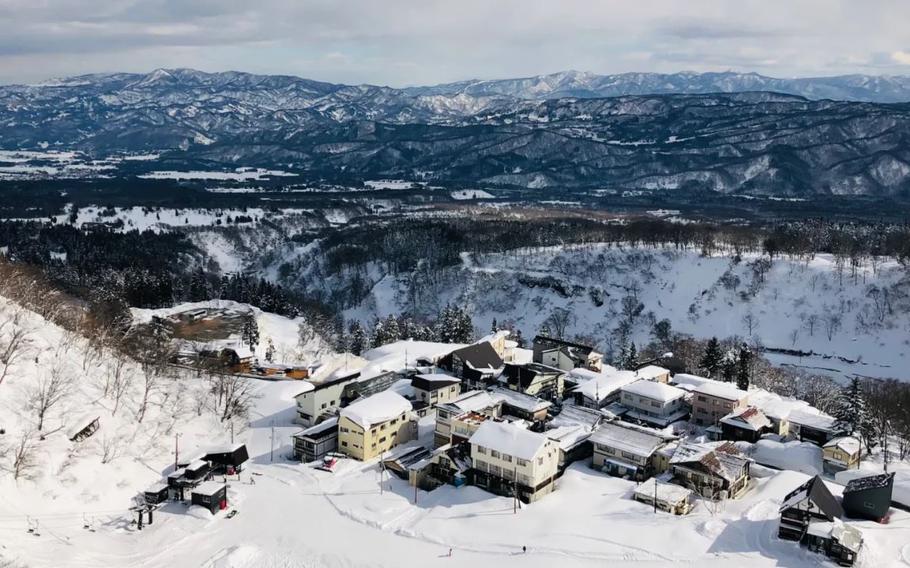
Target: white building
(510, 460)
(654, 403)
(471, 401)
(629, 451)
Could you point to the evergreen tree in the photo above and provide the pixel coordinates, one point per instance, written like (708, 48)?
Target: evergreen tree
(379, 335)
(743, 371)
(270, 351)
(728, 366)
(249, 333)
(631, 362)
(392, 331)
(711, 360)
(851, 416)
(356, 338)
(623, 357)
(494, 328)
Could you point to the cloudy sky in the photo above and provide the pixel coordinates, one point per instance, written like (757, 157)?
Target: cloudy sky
(399, 42)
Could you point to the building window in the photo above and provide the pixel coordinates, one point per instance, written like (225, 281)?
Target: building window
(506, 458)
(381, 440)
(702, 399)
(540, 461)
(323, 405)
(521, 462)
(344, 444)
(481, 450)
(331, 403)
(494, 453)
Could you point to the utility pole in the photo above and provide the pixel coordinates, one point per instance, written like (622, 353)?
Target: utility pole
(415, 493)
(232, 430)
(176, 450)
(272, 444)
(655, 496)
(381, 469)
(515, 502)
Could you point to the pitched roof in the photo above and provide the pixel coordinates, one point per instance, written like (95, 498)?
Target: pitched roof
(322, 428)
(577, 348)
(847, 444)
(628, 438)
(480, 356)
(377, 408)
(605, 384)
(433, 382)
(509, 439)
(722, 460)
(817, 420)
(471, 401)
(719, 389)
(651, 372)
(816, 491)
(666, 492)
(519, 400)
(571, 415)
(524, 375)
(749, 418)
(655, 391)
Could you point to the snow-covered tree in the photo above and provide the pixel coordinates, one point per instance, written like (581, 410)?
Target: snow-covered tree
(710, 361)
(356, 338)
(249, 333)
(850, 411)
(270, 350)
(743, 370)
(728, 365)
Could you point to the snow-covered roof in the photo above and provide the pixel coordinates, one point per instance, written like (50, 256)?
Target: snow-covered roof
(490, 337)
(651, 372)
(655, 391)
(572, 415)
(568, 437)
(804, 457)
(603, 385)
(869, 482)
(432, 382)
(509, 439)
(471, 401)
(817, 419)
(719, 389)
(749, 418)
(848, 536)
(686, 380)
(522, 356)
(628, 438)
(721, 459)
(666, 492)
(325, 425)
(196, 465)
(156, 488)
(847, 444)
(209, 488)
(774, 405)
(519, 400)
(80, 423)
(376, 409)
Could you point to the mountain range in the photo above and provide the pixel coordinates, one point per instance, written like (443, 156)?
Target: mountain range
(727, 132)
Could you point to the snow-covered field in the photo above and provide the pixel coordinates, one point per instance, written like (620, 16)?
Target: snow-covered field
(240, 174)
(794, 305)
(291, 515)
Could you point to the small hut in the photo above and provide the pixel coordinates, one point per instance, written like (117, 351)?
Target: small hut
(227, 459)
(211, 495)
(156, 494)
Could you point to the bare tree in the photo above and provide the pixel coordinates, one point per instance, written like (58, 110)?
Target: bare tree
(559, 321)
(750, 321)
(50, 388)
(151, 382)
(22, 453)
(832, 322)
(111, 447)
(13, 345)
(811, 323)
(118, 379)
(235, 395)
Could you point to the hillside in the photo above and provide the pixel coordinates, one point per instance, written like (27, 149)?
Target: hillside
(792, 305)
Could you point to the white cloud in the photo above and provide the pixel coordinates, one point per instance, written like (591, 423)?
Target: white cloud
(401, 42)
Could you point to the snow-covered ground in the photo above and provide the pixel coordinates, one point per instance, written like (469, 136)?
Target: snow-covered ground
(790, 306)
(292, 515)
(472, 194)
(240, 174)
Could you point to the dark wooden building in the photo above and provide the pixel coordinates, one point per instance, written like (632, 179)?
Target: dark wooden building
(211, 495)
(477, 365)
(156, 494)
(808, 503)
(317, 441)
(227, 459)
(869, 497)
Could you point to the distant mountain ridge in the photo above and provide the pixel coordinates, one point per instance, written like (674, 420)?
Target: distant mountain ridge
(506, 133)
(577, 84)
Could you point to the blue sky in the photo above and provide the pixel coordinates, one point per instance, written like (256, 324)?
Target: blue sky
(399, 43)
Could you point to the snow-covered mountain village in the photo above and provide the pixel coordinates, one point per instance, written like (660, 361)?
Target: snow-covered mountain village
(217, 434)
